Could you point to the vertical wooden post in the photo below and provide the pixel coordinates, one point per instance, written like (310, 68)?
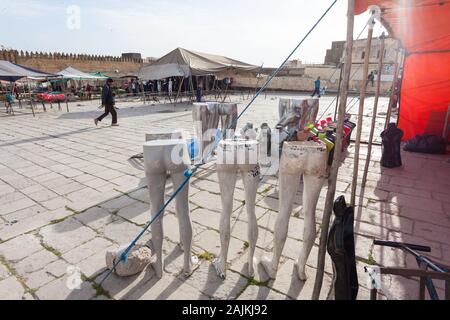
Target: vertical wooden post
(179, 89)
(375, 112)
(393, 93)
(362, 99)
(445, 131)
(337, 154)
(31, 98)
(339, 91)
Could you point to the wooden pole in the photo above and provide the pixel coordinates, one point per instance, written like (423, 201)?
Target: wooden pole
(192, 88)
(393, 93)
(362, 99)
(339, 91)
(337, 154)
(445, 131)
(179, 89)
(31, 98)
(375, 112)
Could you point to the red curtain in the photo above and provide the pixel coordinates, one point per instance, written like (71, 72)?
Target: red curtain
(423, 27)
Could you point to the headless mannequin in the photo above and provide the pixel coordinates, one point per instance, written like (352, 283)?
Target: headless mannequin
(237, 156)
(207, 116)
(299, 158)
(161, 156)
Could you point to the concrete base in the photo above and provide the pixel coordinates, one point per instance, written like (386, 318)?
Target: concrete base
(138, 259)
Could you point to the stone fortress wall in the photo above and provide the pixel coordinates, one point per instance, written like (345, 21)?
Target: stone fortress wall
(54, 62)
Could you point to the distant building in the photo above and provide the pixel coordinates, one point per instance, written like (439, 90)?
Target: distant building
(131, 55)
(149, 60)
(335, 54)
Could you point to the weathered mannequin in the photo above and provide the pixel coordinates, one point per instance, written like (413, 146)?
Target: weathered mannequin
(297, 113)
(164, 134)
(206, 117)
(307, 158)
(160, 157)
(235, 156)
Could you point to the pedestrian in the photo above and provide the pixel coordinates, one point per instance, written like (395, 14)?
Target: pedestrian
(316, 88)
(89, 91)
(170, 87)
(108, 102)
(371, 78)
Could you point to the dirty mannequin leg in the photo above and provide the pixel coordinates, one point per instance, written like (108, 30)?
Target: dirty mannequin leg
(184, 220)
(312, 185)
(288, 187)
(251, 182)
(227, 182)
(156, 183)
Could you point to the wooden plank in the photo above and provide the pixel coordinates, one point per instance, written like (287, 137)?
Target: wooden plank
(337, 154)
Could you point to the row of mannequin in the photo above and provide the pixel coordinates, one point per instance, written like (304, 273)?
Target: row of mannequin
(166, 152)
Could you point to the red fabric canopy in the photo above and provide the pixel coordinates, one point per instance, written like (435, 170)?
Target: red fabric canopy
(423, 28)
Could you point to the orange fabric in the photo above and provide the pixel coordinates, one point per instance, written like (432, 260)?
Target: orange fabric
(425, 94)
(423, 27)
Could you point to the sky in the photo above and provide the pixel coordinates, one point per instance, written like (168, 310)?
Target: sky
(254, 31)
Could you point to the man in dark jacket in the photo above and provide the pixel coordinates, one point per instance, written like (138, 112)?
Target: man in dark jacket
(108, 102)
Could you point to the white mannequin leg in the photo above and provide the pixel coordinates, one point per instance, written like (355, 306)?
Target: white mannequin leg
(312, 185)
(156, 183)
(288, 187)
(227, 182)
(184, 220)
(251, 182)
(161, 156)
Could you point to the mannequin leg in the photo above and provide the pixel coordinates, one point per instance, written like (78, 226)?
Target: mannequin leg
(227, 182)
(312, 185)
(288, 187)
(184, 220)
(251, 186)
(156, 183)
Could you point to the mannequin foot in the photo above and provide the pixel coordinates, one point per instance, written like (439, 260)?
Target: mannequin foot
(301, 272)
(251, 267)
(266, 263)
(157, 266)
(220, 268)
(187, 271)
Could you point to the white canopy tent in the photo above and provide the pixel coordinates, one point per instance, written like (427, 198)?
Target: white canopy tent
(184, 63)
(74, 74)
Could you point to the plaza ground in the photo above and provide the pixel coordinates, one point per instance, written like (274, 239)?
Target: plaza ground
(69, 191)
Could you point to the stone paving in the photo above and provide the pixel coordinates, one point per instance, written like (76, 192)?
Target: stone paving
(69, 192)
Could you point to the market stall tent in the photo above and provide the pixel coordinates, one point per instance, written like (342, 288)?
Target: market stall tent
(74, 74)
(12, 72)
(184, 63)
(423, 28)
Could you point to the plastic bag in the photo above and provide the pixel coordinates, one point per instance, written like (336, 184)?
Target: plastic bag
(426, 144)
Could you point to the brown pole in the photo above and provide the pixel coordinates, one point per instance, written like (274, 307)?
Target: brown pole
(337, 154)
(375, 111)
(362, 99)
(393, 93)
(339, 90)
(179, 89)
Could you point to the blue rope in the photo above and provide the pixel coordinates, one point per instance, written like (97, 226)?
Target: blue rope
(189, 173)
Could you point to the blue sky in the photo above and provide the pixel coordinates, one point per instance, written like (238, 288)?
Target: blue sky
(254, 31)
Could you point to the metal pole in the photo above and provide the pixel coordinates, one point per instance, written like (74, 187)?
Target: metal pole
(362, 99)
(337, 154)
(375, 111)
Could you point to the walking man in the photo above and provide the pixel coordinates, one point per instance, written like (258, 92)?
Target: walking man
(316, 88)
(371, 78)
(108, 102)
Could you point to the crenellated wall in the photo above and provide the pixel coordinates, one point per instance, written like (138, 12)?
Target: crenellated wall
(54, 62)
